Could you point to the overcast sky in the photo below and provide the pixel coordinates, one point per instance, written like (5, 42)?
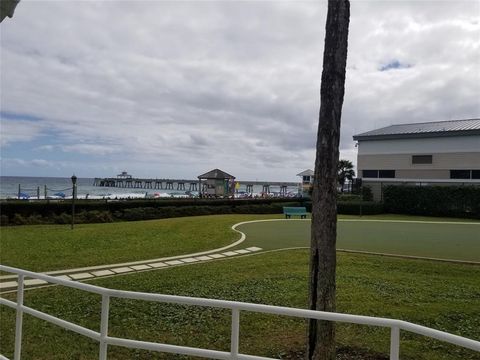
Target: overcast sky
(174, 89)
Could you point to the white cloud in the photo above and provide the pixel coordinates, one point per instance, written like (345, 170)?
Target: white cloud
(183, 87)
(30, 163)
(92, 149)
(46, 147)
(40, 162)
(12, 131)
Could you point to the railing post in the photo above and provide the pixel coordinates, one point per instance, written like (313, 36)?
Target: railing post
(19, 319)
(395, 343)
(234, 341)
(104, 327)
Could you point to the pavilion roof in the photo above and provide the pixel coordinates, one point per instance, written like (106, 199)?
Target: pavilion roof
(216, 174)
(308, 172)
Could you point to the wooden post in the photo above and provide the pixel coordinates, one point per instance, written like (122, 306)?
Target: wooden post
(19, 191)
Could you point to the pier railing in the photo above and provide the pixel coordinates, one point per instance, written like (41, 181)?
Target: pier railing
(105, 340)
(183, 184)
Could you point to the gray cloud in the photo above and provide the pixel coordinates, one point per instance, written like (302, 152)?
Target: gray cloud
(13, 131)
(163, 88)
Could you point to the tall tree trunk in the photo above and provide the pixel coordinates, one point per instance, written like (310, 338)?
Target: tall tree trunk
(321, 336)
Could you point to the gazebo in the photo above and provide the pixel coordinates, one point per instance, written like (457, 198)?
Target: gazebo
(216, 183)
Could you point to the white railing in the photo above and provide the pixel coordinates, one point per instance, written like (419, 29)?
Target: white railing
(235, 307)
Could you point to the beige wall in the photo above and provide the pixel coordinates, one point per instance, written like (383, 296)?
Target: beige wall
(422, 174)
(424, 145)
(439, 169)
(448, 153)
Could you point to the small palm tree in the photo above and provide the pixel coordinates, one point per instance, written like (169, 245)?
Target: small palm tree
(345, 171)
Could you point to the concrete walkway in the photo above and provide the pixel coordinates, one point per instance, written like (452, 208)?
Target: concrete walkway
(112, 269)
(116, 269)
(8, 283)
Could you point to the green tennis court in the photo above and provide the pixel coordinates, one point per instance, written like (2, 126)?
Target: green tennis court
(443, 240)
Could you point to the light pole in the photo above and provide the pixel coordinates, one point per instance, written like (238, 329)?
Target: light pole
(74, 195)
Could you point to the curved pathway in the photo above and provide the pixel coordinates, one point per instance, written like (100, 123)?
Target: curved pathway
(91, 272)
(8, 284)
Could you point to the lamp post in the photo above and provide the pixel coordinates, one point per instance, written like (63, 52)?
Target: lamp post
(74, 195)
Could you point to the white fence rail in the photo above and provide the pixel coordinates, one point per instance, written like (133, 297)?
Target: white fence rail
(235, 307)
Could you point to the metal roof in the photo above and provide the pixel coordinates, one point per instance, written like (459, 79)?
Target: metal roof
(426, 129)
(216, 174)
(308, 172)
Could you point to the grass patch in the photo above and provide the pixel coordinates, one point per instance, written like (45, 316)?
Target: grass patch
(57, 247)
(439, 295)
(456, 241)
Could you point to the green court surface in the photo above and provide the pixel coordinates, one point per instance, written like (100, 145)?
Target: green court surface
(442, 240)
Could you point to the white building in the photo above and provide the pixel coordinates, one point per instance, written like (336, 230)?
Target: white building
(306, 182)
(421, 153)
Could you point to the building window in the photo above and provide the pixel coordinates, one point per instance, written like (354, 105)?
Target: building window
(386, 174)
(422, 159)
(459, 174)
(370, 173)
(475, 174)
(306, 179)
(375, 174)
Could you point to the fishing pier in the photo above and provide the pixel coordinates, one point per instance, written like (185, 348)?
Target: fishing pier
(127, 181)
(138, 183)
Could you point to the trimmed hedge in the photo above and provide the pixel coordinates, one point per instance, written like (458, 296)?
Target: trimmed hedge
(367, 194)
(348, 197)
(27, 213)
(452, 201)
(360, 208)
(355, 207)
(58, 212)
(42, 207)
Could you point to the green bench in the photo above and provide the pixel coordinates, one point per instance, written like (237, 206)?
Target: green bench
(289, 211)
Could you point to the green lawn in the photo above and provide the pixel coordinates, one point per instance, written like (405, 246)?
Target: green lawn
(57, 247)
(439, 295)
(458, 241)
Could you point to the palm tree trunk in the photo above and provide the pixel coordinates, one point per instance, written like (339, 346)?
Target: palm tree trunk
(321, 337)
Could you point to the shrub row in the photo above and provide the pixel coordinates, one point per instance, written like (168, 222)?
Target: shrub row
(146, 212)
(355, 207)
(360, 208)
(47, 208)
(453, 201)
(62, 218)
(348, 197)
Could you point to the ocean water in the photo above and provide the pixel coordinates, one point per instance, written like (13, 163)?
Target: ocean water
(59, 187)
(54, 187)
